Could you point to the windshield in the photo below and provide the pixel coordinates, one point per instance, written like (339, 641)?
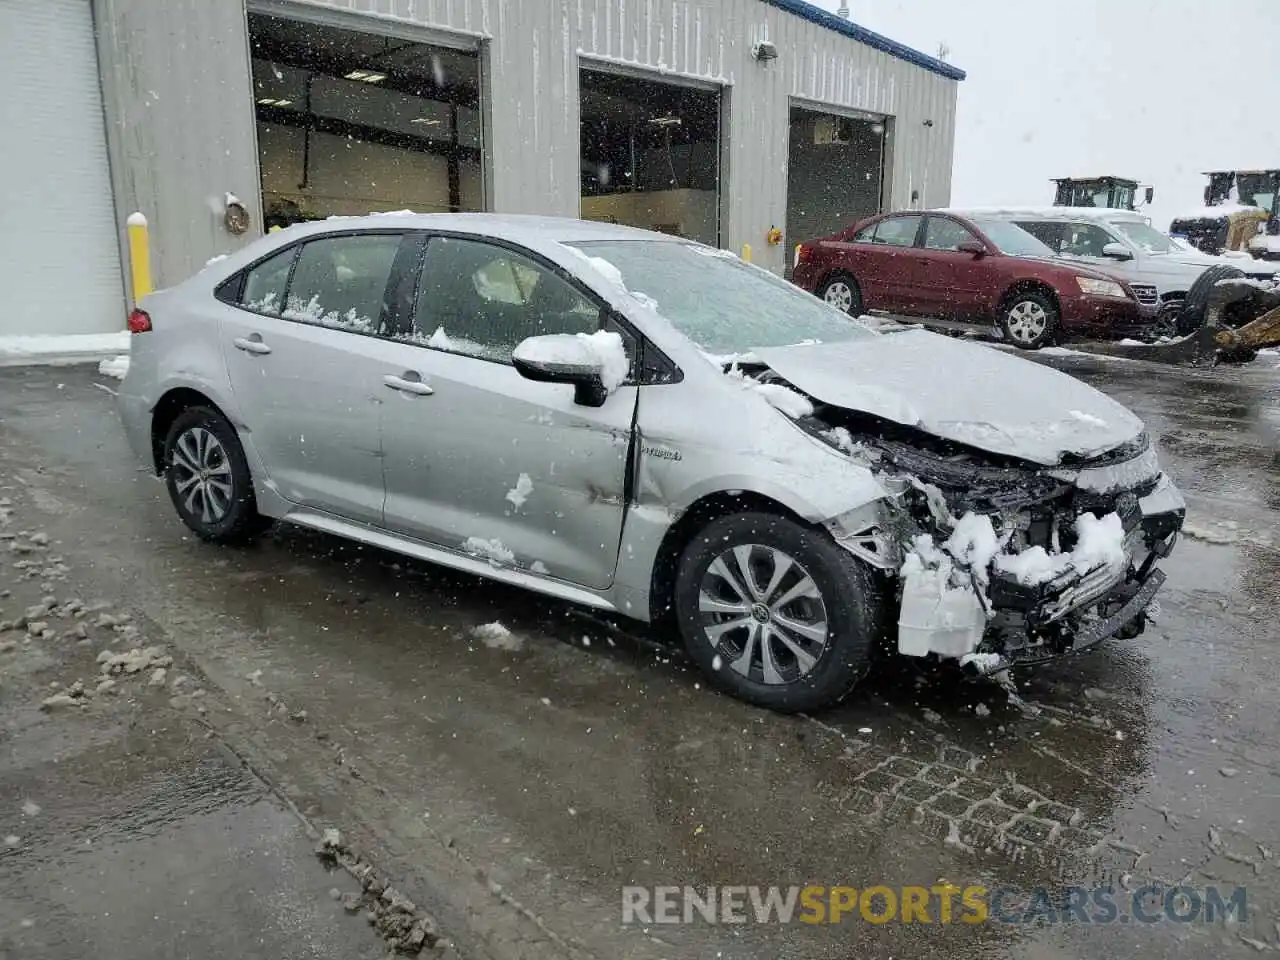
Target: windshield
(1011, 239)
(1145, 237)
(723, 305)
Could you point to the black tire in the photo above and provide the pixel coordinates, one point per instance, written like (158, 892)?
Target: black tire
(1026, 305)
(1196, 307)
(230, 512)
(831, 288)
(849, 605)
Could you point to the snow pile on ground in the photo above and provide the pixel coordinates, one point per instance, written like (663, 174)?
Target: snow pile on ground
(496, 636)
(1099, 541)
(492, 550)
(114, 366)
(69, 348)
(520, 492)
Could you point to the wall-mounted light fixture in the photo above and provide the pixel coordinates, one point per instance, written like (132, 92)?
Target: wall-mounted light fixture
(764, 51)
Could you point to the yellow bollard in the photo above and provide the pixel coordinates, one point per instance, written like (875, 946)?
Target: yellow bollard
(139, 256)
(746, 252)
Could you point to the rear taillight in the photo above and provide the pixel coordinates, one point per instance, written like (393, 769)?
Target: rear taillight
(802, 254)
(139, 321)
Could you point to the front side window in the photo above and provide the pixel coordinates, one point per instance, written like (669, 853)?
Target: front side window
(1085, 240)
(481, 300)
(897, 231)
(342, 281)
(942, 233)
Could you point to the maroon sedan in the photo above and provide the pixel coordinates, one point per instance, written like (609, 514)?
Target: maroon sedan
(969, 269)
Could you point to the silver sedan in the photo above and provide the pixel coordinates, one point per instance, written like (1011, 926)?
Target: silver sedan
(655, 429)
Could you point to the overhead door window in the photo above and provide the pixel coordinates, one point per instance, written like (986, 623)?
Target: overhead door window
(342, 281)
(350, 122)
(650, 154)
(481, 300)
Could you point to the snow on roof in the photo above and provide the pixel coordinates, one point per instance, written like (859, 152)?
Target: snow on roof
(1066, 213)
(815, 14)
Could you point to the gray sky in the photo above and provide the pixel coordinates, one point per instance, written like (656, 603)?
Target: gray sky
(1157, 90)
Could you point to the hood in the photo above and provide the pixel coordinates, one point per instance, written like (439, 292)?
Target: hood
(1080, 266)
(970, 394)
(1202, 260)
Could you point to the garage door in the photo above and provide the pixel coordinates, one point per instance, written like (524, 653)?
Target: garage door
(59, 255)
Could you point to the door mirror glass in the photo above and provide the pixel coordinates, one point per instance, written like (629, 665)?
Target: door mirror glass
(1116, 251)
(563, 358)
(974, 247)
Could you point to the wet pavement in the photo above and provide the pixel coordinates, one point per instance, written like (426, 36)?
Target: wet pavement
(511, 793)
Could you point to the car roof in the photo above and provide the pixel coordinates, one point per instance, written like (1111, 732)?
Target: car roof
(1050, 213)
(528, 229)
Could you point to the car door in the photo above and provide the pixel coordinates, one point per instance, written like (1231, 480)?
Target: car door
(894, 272)
(959, 285)
(487, 462)
(306, 369)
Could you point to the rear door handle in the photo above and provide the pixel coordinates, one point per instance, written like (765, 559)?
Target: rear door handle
(251, 344)
(411, 382)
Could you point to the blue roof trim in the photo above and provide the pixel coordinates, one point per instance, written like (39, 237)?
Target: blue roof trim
(814, 14)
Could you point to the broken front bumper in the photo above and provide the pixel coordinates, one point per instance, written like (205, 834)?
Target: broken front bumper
(1118, 593)
(1032, 622)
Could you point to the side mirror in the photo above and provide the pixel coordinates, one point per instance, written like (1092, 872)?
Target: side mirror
(1116, 251)
(1151, 192)
(974, 247)
(563, 358)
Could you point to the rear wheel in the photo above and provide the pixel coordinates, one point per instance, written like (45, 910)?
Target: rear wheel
(842, 292)
(208, 477)
(1029, 319)
(776, 613)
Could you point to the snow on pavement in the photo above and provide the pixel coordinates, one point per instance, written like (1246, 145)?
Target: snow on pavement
(67, 348)
(114, 366)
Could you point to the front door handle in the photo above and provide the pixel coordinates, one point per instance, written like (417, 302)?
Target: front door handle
(411, 382)
(251, 344)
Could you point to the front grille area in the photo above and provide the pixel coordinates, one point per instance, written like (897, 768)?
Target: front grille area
(1146, 293)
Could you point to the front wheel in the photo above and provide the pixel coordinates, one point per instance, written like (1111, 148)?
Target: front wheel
(208, 477)
(776, 613)
(1028, 320)
(842, 292)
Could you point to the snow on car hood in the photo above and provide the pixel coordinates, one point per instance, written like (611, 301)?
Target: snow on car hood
(959, 391)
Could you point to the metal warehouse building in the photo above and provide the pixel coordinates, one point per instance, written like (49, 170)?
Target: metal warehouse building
(739, 123)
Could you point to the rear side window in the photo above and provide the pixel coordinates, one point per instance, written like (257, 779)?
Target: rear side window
(342, 281)
(264, 285)
(897, 231)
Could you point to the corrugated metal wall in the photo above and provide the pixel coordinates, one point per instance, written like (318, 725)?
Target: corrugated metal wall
(196, 52)
(180, 132)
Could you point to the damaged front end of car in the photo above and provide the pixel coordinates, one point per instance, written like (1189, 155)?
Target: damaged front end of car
(1000, 562)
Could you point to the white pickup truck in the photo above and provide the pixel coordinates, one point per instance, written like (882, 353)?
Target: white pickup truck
(1123, 243)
